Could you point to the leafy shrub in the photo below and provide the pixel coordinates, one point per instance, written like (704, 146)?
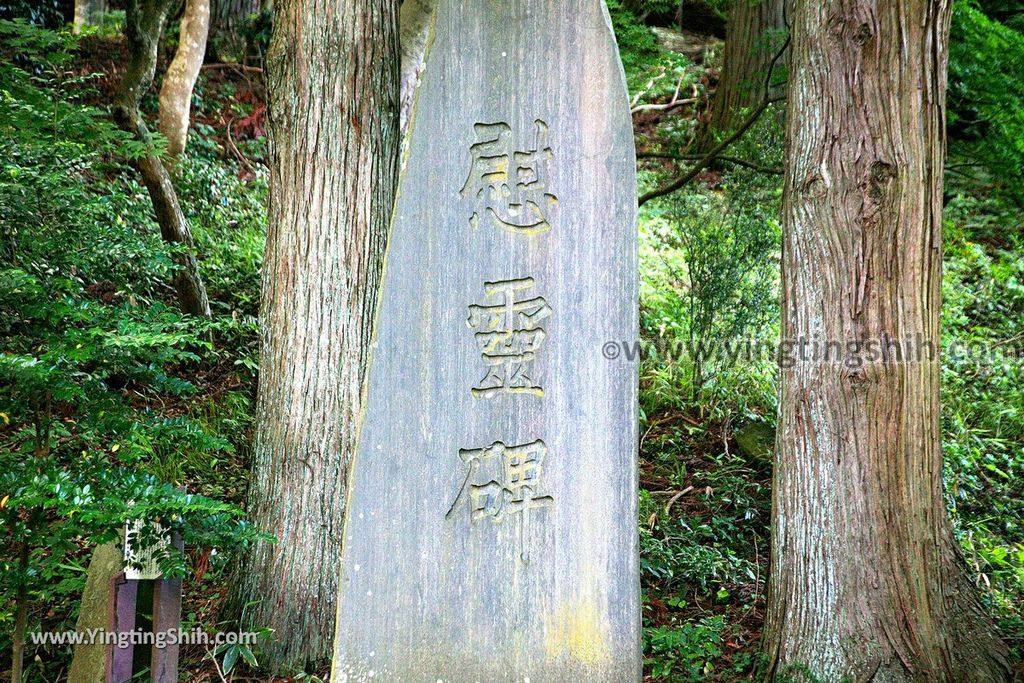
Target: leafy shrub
(44, 12)
(98, 369)
(983, 397)
(652, 72)
(229, 219)
(685, 652)
(634, 38)
(719, 283)
(986, 95)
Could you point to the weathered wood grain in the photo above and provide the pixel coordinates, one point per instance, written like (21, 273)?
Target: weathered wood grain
(123, 603)
(543, 585)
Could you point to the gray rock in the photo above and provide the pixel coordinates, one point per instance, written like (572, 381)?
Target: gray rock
(491, 531)
(757, 441)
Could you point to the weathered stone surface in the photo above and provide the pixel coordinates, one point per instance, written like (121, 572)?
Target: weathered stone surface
(491, 531)
(757, 440)
(88, 664)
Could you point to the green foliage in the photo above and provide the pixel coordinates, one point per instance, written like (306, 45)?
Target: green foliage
(651, 71)
(686, 652)
(231, 654)
(110, 398)
(703, 549)
(986, 96)
(729, 278)
(103, 416)
(43, 12)
(257, 32)
(709, 262)
(983, 397)
(1009, 12)
(229, 215)
(41, 94)
(711, 278)
(636, 41)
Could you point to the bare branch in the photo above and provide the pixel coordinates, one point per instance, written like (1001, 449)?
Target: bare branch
(706, 160)
(664, 107)
(774, 170)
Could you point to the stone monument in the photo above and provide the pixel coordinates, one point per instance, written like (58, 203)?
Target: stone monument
(491, 532)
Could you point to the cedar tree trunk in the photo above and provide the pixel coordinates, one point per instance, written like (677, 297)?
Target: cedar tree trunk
(867, 581)
(754, 35)
(333, 118)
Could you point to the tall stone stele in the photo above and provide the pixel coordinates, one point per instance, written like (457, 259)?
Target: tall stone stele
(491, 531)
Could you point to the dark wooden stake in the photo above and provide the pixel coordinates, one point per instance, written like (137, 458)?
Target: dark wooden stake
(123, 603)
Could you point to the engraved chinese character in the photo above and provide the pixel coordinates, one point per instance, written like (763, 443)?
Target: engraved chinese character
(504, 480)
(508, 333)
(508, 186)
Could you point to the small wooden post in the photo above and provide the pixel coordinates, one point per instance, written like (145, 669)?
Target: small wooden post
(123, 605)
(166, 616)
(123, 613)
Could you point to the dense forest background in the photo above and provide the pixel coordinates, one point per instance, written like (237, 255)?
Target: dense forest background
(115, 405)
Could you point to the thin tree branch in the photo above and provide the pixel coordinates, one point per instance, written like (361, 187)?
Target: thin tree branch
(664, 107)
(774, 170)
(674, 103)
(706, 160)
(144, 22)
(234, 149)
(230, 65)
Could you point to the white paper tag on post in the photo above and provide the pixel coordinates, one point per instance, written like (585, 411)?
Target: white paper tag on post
(141, 563)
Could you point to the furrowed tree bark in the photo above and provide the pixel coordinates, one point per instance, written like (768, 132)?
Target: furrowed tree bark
(867, 581)
(754, 33)
(180, 79)
(144, 22)
(333, 118)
